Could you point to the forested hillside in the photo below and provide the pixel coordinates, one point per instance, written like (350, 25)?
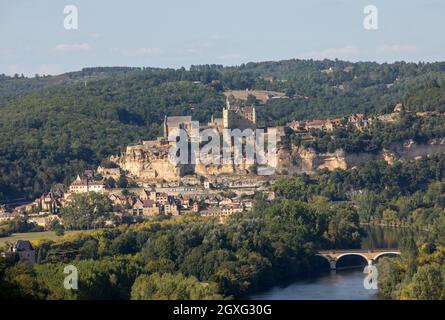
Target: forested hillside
(52, 127)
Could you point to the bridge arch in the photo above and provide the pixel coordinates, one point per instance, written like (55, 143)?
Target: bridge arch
(331, 263)
(356, 254)
(389, 253)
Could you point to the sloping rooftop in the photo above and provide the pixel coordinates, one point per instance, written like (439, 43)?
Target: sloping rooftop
(22, 245)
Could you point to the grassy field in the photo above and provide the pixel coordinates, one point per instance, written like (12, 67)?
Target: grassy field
(261, 95)
(31, 236)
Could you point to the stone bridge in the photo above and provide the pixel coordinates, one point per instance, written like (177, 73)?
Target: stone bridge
(371, 256)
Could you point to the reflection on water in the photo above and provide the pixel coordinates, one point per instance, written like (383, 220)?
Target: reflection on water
(340, 285)
(386, 238)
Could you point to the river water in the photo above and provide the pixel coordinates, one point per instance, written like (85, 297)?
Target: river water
(342, 284)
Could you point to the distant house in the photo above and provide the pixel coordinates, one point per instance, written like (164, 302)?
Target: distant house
(315, 125)
(146, 195)
(51, 202)
(145, 208)
(186, 201)
(84, 184)
(295, 126)
(195, 206)
(172, 209)
(231, 209)
(5, 215)
(358, 120)
(161, 198)
(21, 251)
(267, 78)
(226, 202)
(118, 199)
(212, 212)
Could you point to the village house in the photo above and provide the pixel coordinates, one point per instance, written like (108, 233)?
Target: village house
(6, 215)
(359, 121)
(161, 198)
(195, 206)
(185, 201)
(145, 208)
(267, 78)
(119, 199)
(212, 212)
(225, 202)
(146, 195)
(315, 125)
(212, 201)
(84, 184)
(231, 209)
(172, 209)
(21, 251)
(50, 202)
(295, 126)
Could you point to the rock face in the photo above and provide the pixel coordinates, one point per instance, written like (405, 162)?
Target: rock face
(301, 160)
(150, 161)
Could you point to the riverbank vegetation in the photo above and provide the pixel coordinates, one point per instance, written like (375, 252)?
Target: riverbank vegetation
(407, 193)
(212, 260)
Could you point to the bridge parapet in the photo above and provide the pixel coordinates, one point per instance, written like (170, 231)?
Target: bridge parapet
(333, 256)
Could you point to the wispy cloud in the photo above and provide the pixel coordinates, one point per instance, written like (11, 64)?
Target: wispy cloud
(74, 47)
(347, 52)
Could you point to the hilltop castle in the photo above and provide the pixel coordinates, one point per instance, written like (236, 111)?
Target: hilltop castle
(239, 117)
(234, 117)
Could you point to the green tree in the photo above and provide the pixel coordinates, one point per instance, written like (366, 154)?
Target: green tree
(86, 211)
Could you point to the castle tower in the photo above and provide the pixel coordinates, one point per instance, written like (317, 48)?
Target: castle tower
(226, 115)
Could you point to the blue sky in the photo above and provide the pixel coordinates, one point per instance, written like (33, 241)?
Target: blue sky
(175, 33)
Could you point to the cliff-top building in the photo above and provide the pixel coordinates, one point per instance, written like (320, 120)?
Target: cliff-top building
(234, 117)
(239, 117)
(175, 123)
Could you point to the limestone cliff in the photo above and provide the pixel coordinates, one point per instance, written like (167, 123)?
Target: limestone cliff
(150, 161)
(301, 160)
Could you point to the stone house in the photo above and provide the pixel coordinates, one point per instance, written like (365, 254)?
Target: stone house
(145, 208)
(83, 184)
(21, 251)
(119, 199)
(195, 206)
(172, 209)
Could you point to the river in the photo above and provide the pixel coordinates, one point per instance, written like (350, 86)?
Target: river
(341, 284)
